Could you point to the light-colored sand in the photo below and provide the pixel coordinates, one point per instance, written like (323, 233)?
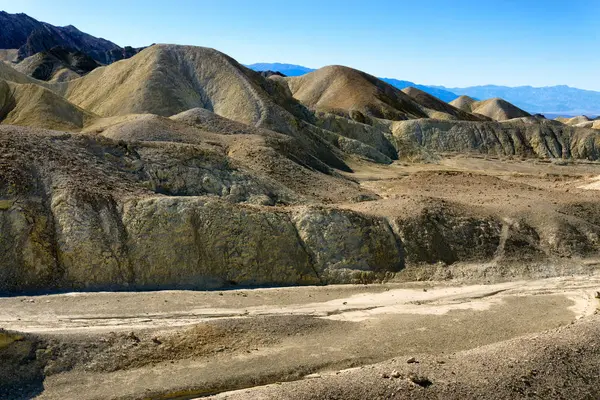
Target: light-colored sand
(594, 184)
(85, 312)
(279, 334)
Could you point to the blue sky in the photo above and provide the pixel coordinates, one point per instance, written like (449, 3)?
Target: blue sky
(450, 43)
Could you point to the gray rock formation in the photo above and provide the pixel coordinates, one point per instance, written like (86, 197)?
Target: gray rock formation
(343, 241)
(523, 137)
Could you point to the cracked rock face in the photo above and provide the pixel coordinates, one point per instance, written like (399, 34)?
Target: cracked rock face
(442, 236)
(179, 242)
(212, 244)
(341, 241)
(524, 137)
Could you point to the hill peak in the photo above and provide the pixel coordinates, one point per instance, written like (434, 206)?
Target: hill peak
(495, 108)
(339, 89)
(438, 106)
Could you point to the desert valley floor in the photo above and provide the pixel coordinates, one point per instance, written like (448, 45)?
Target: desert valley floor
(479, 334)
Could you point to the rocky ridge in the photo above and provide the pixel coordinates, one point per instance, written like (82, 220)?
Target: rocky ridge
(31, 36)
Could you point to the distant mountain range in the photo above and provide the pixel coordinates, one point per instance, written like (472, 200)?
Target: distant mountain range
(440, 93)
(561, 100)
(552, 100)
(286, 69)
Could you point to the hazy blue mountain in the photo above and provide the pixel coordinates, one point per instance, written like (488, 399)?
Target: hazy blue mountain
(297, 70)
(286, 69)
(551, 100)
(442, 94)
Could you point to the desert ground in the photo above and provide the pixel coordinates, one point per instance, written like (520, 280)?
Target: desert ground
(177, 344)
(414, 336)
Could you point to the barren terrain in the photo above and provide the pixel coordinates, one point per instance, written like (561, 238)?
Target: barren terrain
(176, 225)
(157, 344)
(185, 344)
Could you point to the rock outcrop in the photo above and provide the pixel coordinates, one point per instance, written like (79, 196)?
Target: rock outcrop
(79, 242)
(520, 137)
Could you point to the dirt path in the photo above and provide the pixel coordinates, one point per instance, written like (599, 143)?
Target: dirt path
(199, 343)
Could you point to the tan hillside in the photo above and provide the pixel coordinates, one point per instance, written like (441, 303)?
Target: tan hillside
(587, 124)
(64, 74)
(145, 127)
(464, 103)
(322, 139)
(580, 119)
(561, 119)
(206, 120)
(577, 120)
(344, 90)
(168, 79)
(33, 105)
(9, 73)
(363, 142)
(8, 54)
(433, 103)
(217, 83)
(496, 109)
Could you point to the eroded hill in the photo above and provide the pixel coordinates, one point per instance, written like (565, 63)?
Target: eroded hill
(179, 167)
(496, 109)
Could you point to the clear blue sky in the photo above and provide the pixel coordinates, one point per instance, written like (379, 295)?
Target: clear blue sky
(450, 43)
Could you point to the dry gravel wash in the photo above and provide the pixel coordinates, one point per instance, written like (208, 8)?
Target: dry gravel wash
(560, 364)
(180, 344)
